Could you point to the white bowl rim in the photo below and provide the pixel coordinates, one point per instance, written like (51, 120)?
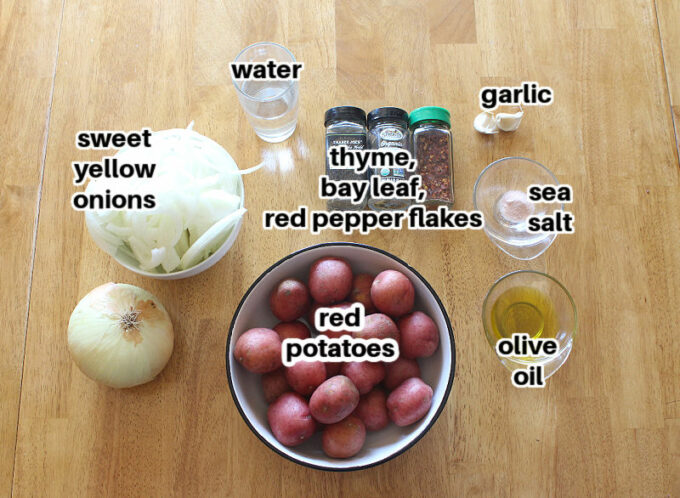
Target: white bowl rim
(422, 433)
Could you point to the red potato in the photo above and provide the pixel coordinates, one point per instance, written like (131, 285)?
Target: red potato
(378, 326)
(409, 402)
(344, 439)
(333, 400)
(419, 335)
(305, 376)
(289, 300)
(333, 368)
(364, 374)
(312, 311)
(274, 384)
(372, 410)
(259, 350)
(292, 330)
(361, 291)
(330, 280)
(331, 333)
(398, 371)
(290, 419)
(392, 293)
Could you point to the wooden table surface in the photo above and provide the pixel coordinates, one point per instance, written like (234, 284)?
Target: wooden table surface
(608, 423)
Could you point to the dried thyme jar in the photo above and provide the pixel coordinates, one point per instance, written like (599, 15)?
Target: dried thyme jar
(433, 149)
(345, 125)
(388, 128)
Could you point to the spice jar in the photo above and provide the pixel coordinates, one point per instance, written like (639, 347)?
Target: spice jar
(345, 125)
(433, 149)
(388, 128)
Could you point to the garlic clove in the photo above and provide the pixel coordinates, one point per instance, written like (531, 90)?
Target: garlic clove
(508, 122)
(485, 123)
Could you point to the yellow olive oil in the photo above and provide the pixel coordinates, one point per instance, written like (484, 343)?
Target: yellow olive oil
(524, 310)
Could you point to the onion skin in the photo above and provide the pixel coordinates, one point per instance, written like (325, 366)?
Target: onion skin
(120, 335)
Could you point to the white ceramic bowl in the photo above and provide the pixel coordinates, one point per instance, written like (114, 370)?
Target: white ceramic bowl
(253, 311)
(131, 263)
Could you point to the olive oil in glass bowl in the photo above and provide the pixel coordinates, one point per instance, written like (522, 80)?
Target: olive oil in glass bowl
(533, 303)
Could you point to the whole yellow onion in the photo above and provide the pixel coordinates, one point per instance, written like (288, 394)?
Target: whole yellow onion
(120, 335)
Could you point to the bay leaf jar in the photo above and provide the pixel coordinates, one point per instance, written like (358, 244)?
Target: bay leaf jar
(388, 129)
(433, 149)
(345, 125)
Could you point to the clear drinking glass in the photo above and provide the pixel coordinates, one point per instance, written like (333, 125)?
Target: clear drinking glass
(512, 176)
(533, 303)
(271, 106)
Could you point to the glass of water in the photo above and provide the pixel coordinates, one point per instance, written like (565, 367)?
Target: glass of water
(271, 106)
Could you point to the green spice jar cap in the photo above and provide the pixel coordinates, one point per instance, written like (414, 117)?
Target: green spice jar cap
(429, 113)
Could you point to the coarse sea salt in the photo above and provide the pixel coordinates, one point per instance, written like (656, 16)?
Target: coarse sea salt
(514, 206)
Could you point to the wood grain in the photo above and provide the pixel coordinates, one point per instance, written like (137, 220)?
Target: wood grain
(26, 77)
(608, 421)
(668, 14)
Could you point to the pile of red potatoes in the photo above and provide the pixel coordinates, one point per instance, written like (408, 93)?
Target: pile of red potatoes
(342, 399)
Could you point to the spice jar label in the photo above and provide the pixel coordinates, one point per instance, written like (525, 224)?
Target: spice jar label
(350, 141)
(392, 135)
(347, 141)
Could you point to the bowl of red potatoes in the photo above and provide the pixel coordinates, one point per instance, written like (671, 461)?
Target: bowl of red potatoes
(340, 416)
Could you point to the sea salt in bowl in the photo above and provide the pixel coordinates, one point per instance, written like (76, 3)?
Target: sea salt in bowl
(253, 311)
(500, 193)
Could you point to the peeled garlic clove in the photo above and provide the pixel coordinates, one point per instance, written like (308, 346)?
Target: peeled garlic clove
(509, 122)
(485, 123)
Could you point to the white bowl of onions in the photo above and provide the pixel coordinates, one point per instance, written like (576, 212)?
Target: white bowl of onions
(199, 209)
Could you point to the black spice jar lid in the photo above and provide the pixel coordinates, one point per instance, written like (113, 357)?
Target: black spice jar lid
(345, 113)
(387, 114)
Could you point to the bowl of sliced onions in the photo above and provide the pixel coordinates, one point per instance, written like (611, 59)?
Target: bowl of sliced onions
(199, 209)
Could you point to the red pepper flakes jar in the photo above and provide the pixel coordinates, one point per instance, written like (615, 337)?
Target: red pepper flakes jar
(432, 146)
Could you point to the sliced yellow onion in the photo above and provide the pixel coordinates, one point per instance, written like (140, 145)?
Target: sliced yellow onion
(196, 188)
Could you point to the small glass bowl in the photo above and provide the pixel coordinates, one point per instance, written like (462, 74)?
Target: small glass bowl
(564, 307)
(511, 235)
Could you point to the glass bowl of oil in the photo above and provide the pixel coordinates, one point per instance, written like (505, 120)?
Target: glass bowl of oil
(500, 193)
(533, 303)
